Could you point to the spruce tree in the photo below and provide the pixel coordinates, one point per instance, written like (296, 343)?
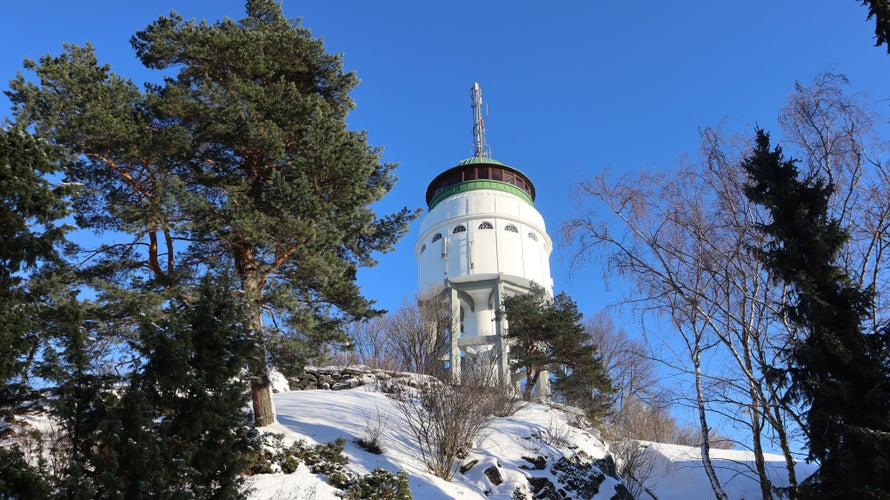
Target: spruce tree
(30, 208)
(83, 401)
(192, 384)
(546, 335)
(838, 371)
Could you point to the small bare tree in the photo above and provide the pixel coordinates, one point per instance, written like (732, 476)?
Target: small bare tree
(372, 345)
(419, 333)
(445, 420)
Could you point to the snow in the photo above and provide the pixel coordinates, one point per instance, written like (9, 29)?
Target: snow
(299, 485)
(678, 471)
(321, 416)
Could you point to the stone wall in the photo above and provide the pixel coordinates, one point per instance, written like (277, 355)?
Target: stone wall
(337, 378)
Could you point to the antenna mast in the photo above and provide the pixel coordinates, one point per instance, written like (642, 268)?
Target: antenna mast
(478, 122)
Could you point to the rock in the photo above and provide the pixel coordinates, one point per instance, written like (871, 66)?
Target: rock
(579, 475)
(543, 488)
(607, 465)
(539, 463)
(621, 493)
(467, 466)
(494, 475)
(348, 383)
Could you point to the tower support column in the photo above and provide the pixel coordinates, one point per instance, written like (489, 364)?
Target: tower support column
(455, 336)
(502, 347)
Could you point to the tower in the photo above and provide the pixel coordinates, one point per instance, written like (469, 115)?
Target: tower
(481, 240)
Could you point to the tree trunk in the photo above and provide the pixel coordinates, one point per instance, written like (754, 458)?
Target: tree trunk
(756, 406)
(705, 443)
(260, 390)
(261, 395)
(779, 426)
(766, 489)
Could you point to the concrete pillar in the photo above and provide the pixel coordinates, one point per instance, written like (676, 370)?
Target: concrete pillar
(502, 347)
(455, 337)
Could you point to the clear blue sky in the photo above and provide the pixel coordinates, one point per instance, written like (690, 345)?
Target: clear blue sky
(572, 87)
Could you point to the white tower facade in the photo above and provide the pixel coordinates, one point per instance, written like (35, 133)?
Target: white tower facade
(481, 240)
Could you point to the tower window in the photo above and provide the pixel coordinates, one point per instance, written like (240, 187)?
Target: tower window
(511, 228)
(437, 237)
(422, 248)
(486, 225)
(459, 229)
(533, 236)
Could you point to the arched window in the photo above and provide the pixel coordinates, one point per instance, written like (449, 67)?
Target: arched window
(437, 237)
(486, 225)
(422, 248)
(459, 229)
(511, 228)
(533, 236)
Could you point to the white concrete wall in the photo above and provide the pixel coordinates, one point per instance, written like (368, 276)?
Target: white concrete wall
(483, 251)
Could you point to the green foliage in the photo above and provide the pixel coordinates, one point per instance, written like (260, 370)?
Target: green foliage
(327, 459)
(838, 371)
(380, 484)
(18, 479)
(83, 403)
(29, 204)
(176, 425)
(192, 384)
(547, 335)
(30, 207)
(241, 159)
(880, 10)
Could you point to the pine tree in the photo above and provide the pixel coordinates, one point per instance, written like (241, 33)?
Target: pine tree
(838, 372)
(242, 159)
(546, 335)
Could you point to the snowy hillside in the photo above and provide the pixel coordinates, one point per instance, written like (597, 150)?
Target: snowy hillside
(321, 416)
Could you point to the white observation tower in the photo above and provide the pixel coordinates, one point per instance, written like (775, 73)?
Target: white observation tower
(481, 240)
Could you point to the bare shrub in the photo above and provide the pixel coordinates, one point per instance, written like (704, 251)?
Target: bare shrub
(690, 435)
(444, 420)
(419, 333)
(634, 422)
(371, 345)
(557, 433)
(481, 377)
(375, 423)
(634, 464)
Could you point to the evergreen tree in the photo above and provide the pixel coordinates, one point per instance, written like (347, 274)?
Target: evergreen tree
(29, 236)
(83, 401)
(18, 478)
(880, 10)
(192, 386)
(240, 159)
(546, 335)
(176, 427)
(840, 373)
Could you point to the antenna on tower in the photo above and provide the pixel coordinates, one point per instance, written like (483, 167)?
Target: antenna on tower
(478, 122)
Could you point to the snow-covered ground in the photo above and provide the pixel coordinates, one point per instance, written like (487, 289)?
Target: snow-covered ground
(321, 416)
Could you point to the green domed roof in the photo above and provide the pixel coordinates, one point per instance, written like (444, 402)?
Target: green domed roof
(467, 175)
(480, 160)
